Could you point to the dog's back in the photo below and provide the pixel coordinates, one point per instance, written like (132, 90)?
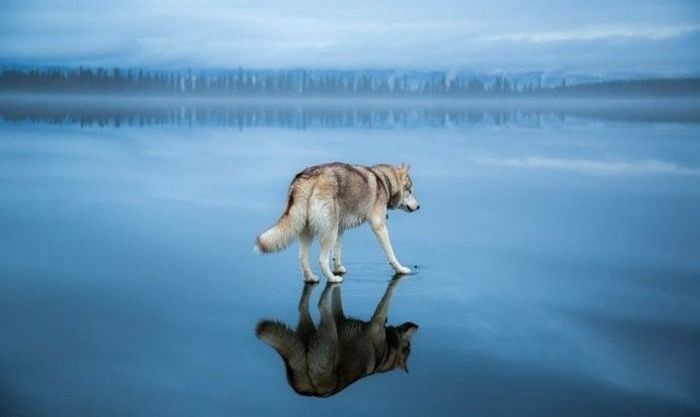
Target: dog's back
(318, 197)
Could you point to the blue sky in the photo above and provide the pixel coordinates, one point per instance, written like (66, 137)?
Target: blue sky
(588, 36)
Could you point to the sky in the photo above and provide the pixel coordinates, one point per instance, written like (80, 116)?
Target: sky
(591, 36)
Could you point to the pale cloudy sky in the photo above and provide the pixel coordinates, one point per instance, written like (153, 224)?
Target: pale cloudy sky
(588, 36)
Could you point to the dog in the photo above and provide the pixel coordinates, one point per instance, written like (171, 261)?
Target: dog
(325, 200)
(323, 361)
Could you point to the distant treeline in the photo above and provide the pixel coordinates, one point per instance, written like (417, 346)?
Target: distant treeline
(241, 82)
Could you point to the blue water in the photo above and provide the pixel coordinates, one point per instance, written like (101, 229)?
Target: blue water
(556, 267)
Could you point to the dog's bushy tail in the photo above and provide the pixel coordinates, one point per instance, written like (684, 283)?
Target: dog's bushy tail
(288, 226)
(283, 339)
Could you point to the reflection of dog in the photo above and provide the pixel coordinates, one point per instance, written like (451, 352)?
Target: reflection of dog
(323, 361)
(325, 200)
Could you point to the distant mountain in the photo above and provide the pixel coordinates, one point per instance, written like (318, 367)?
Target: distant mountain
(634, 88)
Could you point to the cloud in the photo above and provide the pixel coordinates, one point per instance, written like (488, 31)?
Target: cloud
(593, 167)
(480, 35)
(600, 33)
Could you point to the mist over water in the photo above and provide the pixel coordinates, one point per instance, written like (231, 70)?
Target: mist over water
(554, 255)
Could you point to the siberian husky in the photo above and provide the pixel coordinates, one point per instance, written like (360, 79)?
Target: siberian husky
(325, 200)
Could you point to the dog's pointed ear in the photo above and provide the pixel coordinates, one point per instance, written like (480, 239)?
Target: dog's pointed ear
(403, 171)
(407, 329)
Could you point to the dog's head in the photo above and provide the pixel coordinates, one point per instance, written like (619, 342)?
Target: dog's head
(406, 331)
(404, 198)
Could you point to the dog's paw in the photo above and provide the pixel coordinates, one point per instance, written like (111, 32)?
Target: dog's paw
(310, 278)
(335, 279)
(339, 270)
(402, 270)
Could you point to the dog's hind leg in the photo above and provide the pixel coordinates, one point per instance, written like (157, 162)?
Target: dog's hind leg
(323, 350)
(305, 239)
(327, 241)
(305, 326)
(337, 305)
(338, 267)
(323, 220)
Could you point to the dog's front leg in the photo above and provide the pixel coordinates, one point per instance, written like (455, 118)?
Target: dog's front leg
(379, 229)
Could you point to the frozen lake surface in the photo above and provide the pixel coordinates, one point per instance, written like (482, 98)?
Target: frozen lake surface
(556, 255)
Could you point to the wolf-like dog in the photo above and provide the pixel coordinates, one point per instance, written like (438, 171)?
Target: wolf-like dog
(323, 361)
(325, 200)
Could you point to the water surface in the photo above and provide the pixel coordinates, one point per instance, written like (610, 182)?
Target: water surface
(555, 254)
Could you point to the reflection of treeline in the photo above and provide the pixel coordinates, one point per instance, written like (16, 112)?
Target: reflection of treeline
(242, 82)
(310, 115)
(248, 116)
